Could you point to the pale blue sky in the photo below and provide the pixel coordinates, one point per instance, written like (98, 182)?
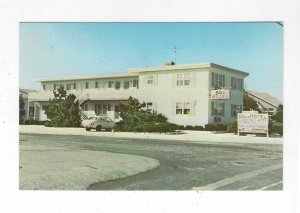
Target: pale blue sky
(71, 49)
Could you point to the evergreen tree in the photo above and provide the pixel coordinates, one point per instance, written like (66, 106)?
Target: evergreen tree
(279, 114)
(63, 110)
(250, 103)
(21, 108)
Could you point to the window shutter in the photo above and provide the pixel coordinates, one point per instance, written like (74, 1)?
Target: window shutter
(193, 79)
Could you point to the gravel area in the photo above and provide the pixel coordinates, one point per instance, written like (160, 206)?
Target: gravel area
(191, 136)
(58, 167)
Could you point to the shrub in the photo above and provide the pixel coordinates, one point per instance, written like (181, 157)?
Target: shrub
(233, 127)
(189, 127)
(199, 128)
(213, 127)
(209, 127)
(34, 122)
(276, 128)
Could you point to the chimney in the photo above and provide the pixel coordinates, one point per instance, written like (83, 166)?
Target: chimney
(169, 63)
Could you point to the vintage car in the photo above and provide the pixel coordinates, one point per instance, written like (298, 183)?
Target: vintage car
(98, 123)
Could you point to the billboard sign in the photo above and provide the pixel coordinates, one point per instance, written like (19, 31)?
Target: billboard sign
(252, 122)
(219, 94)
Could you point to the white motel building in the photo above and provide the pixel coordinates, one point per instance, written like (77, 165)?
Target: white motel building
(192, 94)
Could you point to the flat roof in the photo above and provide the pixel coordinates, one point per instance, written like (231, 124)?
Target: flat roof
(185, 66)
(135, 71)
(114, 75)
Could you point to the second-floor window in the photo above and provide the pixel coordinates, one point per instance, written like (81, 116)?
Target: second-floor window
(150, 79)
(118, 85)
(96, 84)
(236, 83)
(74, 85)
(69, 86)
(86, 85)
(110, 84)
(135, 83)
(126, 85)
(44, 87)
(183, 79)
(217, 80)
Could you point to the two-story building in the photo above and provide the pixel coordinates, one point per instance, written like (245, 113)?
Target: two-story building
(194, 94)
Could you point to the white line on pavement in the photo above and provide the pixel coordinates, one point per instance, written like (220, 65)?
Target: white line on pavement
(238, 177)
(269, 186)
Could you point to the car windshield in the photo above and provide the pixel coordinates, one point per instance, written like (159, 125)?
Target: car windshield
(92, 118)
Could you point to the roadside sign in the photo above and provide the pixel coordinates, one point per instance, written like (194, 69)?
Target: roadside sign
(252, 122)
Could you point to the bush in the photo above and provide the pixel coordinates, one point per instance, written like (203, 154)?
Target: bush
(145, 127)
(34, 122)
(233, 127)
(276, 128)
(213, 127)
(189, 127)
(199, 128)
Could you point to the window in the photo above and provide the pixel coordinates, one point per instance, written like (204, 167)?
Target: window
(96, 84)
(104, 109)
(183, 79)
(187, 79)
(217, 109)
(183, 108)
(61, 86)
(118, 85)
(55, 86)
(235, 109)
(110, 83)
(135, 83)
(109, 107)
(74, 85)
(179, 79)
(178, 108)
(126, 85)
(98, 109)
(150, 79)
(68, 86)
(86, 85)
(44, 87)
(218, 80)
(85, 107)
(236, 83)
(186, 108)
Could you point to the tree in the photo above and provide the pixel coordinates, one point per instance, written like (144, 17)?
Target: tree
(250, 104)
(21, 109)
(279, 114)
(63, 110)
(135, 118)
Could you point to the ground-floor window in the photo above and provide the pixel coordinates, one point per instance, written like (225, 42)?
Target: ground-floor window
(235, 109)
(217, 109)
(101, 109)
(183, 108)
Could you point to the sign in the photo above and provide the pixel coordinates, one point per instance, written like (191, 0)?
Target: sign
(219, 94)
(253, 122)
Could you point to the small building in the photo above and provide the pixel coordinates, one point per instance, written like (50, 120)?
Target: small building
(266, 102)
(28, 110)
(191, 94)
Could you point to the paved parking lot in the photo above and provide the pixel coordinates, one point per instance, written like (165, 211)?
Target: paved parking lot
(184, 165)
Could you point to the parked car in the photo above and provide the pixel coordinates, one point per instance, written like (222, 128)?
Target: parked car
(98, 123)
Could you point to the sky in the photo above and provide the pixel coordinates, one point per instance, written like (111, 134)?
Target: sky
(70, 49)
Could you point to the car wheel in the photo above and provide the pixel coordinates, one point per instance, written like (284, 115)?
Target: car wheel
(98, 128)
(88, 129)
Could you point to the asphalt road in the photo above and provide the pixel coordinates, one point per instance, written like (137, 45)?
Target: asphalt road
(186, 165)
